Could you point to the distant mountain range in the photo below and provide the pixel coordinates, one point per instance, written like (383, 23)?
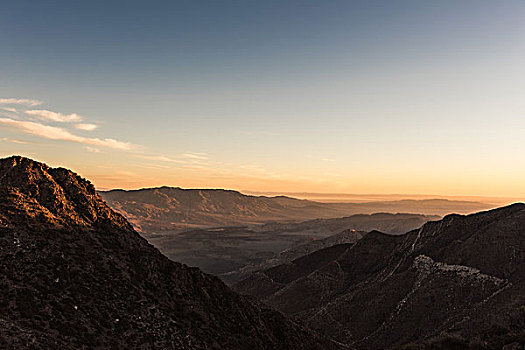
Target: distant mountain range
(75, 275)
(173, 208)
(456, 283)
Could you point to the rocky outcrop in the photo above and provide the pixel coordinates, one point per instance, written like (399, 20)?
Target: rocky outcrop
(33, 193)
(74, 274)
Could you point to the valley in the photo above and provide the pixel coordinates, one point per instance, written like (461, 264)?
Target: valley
(229, 234)
(231, 252)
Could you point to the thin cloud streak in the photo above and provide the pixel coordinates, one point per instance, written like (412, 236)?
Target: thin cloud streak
(20, 101)
(167, 159)
(55, 133)
(92, 149)
(198, 156)
(54, 116)
(20, 142)
(185, 158)
(86, 127)
(153, 166)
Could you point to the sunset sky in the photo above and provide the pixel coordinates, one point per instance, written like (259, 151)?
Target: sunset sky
(369, 96)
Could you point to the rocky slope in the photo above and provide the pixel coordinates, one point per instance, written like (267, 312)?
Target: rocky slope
(74, 274)
(454, 283)
(289, 254)
(231, 252)
(172, 208)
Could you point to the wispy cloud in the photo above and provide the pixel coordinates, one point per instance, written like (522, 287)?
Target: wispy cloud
(20, 101)
(54, 116)
(167, 159)
(194, 155)
(184, 158)
(92, 149)
(86, 127)
(153, 166)
(56, 133)
(10, 109)
(20, 142)
(197, 167)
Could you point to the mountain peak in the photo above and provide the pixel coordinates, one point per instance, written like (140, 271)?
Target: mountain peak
(78, 276)
(32, 192)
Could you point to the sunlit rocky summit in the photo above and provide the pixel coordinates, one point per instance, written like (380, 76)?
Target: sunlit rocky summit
(74, 274)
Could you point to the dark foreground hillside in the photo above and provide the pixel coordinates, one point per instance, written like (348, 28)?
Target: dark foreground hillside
(457, 283)
(74, 274)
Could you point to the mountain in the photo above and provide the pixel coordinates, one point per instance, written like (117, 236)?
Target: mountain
(389, 223)
(291, 254)
(173, 208)
(232, 252)
(346, 236)
(454, 283)
(440, 207)
(297, 239)
(75, 274)
(156, 209)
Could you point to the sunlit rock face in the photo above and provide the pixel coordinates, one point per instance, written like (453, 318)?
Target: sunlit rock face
(74, 274)
(32, 192)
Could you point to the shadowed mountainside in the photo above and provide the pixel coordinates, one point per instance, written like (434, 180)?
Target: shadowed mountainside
(393, 224)
(454, 283)
(312, 235)
(232, 252)
(74, 274)
(173, 208)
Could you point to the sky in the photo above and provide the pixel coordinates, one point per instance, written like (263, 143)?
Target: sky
(410, 97)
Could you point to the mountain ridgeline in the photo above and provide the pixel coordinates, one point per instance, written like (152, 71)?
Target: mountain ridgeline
(75, 274)
(173, 208)
(456, 283)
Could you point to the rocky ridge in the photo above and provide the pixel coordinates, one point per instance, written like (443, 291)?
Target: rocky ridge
(454, 283)
(74, 274)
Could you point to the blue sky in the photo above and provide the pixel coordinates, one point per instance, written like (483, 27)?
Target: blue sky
(318, 96)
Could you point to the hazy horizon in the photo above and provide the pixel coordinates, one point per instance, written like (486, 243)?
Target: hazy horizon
(346, 197)
(346, 97)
